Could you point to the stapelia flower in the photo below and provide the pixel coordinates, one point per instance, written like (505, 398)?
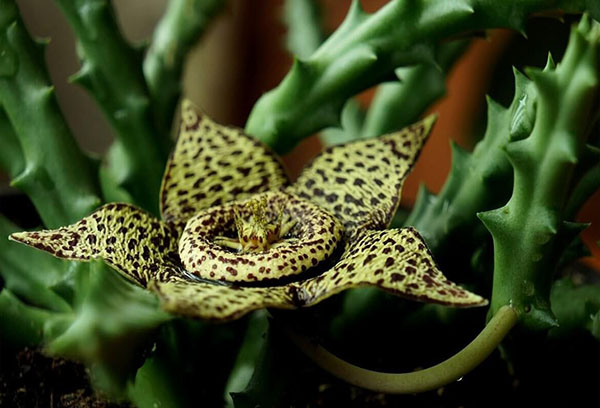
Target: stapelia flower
(237, 236)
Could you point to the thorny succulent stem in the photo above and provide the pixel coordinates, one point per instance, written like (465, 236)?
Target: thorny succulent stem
(112, 72)
(479, 180)
(366, 49)
(530, 231)
(428, 379)
(396, 104)
(11, 154)
(180, 27)
(57, 177)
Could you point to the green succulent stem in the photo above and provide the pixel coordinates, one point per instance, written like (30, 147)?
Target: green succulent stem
(399, 104)
(418, 381)
(367, 49)
(587, 185)
(395, 104)
(26, 326)
(25, 280)
(182, 24)
(11, 154)
(480, 180)
(576, 306)
(112, 72)
(305, 28)
(57, 177)
(530, 232)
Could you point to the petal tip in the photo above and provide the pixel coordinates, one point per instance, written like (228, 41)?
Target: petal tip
(467, 300)
(187, 104)
(431, 118)
(478, 301)
(21, 237)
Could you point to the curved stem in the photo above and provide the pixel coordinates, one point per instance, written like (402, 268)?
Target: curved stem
(418, 381)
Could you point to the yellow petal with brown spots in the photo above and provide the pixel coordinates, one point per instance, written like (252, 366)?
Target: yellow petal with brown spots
(212, 165)
(397, 261)
(135, 243)
(218, 303)
(360, 182)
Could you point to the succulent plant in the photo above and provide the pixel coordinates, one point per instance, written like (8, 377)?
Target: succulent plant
(231, 221)
(235, 235)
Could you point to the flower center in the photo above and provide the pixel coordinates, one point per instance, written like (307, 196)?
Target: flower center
(258, 227)
(267, 237)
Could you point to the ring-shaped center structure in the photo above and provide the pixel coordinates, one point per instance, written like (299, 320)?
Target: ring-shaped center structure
(313, 238)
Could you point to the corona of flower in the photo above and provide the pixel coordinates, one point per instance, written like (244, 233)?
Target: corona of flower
(237, 236)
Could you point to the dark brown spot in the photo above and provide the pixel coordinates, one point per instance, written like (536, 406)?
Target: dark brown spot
(132, 244)
(331, 198)
(396, 277)
(369, 258)
(244, 170)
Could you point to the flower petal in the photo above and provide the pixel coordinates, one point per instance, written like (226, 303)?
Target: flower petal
(396, 261)
(360, 182)
(218, 302)
(214, 164)
(129, 239)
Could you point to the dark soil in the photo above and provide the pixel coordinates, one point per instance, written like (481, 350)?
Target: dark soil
(28, 379)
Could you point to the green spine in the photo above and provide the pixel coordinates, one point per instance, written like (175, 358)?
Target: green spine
(530, 232)
(58, 178)
(180, 27)
(303, 20)
(366, 49)
(112, 72)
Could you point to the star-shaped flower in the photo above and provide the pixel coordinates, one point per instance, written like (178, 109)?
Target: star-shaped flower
(237, 236)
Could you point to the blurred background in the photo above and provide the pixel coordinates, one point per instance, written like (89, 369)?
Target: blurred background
(242, 55)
